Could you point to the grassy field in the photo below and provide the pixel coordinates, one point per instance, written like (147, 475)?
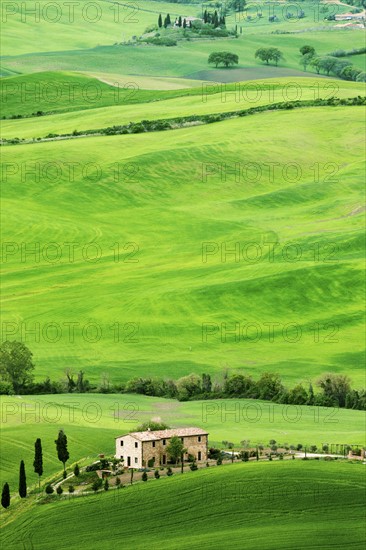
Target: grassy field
(91, 423)
(291, 504)
(155, 298)
(187, 59)
(210, 98)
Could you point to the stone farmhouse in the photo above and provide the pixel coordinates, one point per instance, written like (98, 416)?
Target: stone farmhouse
(148, 449)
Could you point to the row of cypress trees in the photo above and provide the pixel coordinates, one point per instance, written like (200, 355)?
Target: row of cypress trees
(63, 456)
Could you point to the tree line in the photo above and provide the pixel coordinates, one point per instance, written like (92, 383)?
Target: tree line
(334, 390)
(62, 455)
(332, 63)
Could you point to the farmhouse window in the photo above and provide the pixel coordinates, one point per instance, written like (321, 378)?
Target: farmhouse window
(199, 455)
(199, 439)
(164, 441)
(153, 443)
(136, 444)
(135, 459)
(182, 440)
(121, 443)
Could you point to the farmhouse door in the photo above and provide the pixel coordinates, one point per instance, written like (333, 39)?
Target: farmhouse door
(128, 461)
(164, 459)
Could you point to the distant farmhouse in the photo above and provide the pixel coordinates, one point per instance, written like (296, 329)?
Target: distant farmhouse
(141, 449)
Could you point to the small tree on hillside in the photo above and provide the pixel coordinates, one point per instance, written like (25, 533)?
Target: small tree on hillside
(175, 449)
(5, 496)
(160, 21)
(61, 446)
(180, 21)
(269, 54)
(59, 490)
(38, 460)
(144, 476)
(22, 480)
(223, 58)
(16, 364)
(76, 470)
(304, 50)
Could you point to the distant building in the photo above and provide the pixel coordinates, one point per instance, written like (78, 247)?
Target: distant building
(148, 449)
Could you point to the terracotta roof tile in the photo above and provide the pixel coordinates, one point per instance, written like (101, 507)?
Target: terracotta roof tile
(165, 434)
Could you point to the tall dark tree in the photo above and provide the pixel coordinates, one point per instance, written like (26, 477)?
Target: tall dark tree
(61, 446)
(206, 383)
(205, 16)
(5, 496)
(179, 21)
(168, 19)
(38, 460)
(184, 24)
(160, 21)
(76, 470)
(22, 480)
(215, 20)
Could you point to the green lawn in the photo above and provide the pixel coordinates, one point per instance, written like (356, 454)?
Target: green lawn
(290, 504)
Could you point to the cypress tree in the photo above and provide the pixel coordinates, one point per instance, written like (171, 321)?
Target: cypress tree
(184, 24)
(22, 481)
(205, 17)
(61, 446)
(160, 21)
(179, 21)
(5, 496)
(76, 470)
(168, 21)
(215, 20)
(38, 460)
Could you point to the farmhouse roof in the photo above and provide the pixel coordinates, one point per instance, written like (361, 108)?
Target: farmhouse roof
(165, 434)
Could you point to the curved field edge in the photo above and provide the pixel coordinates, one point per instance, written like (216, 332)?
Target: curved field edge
(289, 504)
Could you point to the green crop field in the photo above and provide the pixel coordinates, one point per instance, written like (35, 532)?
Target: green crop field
(282, 505)
(169, 298)
(205, 247)
(92, 422)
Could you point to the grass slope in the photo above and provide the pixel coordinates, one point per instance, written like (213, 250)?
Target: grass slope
(274, 505)
(91, 423)
(149, 316)
(187, 59)
(211, 98)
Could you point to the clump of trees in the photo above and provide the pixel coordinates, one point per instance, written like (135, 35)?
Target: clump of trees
(332, 63)
(269, 54)
(223, 58)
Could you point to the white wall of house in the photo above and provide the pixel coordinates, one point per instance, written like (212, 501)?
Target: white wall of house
(130, 449)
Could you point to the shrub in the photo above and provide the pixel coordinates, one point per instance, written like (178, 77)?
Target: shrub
(214, 453)
(97, 485)
(49, 489)
(64, 474)
(71, 488)
(59, 490)
(169, 472)
(118, 482)
(76, 470)
(193, 466)
(144, 476)
(219, 461)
